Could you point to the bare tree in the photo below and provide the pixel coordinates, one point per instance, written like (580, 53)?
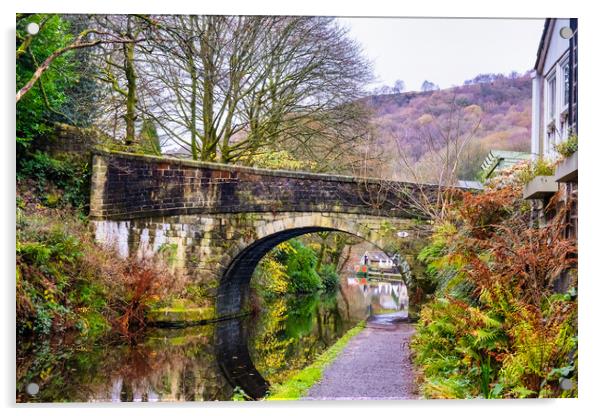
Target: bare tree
(399, 86)
(241, 85)
(436, 174)
(425, 187)
(429, 86)
(118, 62)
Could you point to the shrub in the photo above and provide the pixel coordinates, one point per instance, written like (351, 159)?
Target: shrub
(280, 159)
(53, 285)
(540, 167)
(270, 277)
(67, 282)
(289, 268)
(142, 285)
(330, 278)
(301, 269)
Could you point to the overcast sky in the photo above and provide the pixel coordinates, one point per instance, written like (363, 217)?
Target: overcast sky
(445, 51)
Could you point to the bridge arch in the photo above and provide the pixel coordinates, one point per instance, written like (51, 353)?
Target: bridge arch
(231, 336)
(235, 276)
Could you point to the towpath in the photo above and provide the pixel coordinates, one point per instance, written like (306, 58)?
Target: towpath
(374, 365)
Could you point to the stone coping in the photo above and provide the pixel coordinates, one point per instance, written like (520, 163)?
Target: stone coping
(540, 187)
(185, 211)
(567, 169)
(252, 170)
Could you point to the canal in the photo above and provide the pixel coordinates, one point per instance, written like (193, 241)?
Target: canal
(204, 362)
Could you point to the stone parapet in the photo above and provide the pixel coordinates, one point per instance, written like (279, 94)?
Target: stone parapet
(129, 186)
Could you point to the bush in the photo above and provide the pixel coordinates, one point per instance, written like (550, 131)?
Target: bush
(53, 291)
(330, 278)
(71, 177)
(67, 282)
(289, 268)
(540, 167)
(280, 159)
(301, 269)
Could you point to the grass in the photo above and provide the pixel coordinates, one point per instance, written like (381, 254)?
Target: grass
(299, 384)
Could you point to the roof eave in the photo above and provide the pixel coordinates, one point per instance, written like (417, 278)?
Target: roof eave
(542, 49)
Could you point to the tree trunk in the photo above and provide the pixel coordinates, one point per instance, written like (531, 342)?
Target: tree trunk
(207, 55)
(130, 114)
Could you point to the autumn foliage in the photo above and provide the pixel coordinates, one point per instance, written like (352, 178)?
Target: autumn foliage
(499, 326)
(67, 282)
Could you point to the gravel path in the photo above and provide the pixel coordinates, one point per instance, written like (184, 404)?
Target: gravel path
(375, 365)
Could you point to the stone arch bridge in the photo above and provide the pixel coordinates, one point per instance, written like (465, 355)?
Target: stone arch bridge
(220, 220)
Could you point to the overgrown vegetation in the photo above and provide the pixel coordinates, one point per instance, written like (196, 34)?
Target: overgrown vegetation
(541, 167)
(65, 281)
(498, 328)
(56, 183)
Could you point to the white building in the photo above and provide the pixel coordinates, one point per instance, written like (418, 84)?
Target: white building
(377, 260)
(554, 112)
(554, 120)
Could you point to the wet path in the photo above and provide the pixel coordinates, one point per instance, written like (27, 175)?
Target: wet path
(374, 365)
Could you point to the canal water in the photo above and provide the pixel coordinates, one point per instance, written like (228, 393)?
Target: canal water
(229, 360)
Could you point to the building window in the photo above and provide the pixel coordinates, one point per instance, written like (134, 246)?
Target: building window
(565, 84)
(551, 97)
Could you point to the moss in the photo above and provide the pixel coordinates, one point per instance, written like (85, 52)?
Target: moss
(52, 200)
(299, 384)
(180, 316)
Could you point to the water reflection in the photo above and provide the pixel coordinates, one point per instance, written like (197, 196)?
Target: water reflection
(232, 352)
(362, 297)
(168, 365)
(205, 362)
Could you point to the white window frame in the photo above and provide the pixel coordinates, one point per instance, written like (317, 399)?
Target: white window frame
(564, 107)
(564, 68)
(550, 111)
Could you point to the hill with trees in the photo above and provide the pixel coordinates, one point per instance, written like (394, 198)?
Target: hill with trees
(413, 125)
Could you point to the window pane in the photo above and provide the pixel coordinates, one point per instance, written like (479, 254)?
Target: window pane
(551, 97)
(565, 71)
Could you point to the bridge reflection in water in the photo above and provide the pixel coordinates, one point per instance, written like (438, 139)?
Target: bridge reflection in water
(232, 352)
(206, 362)
(356, 300)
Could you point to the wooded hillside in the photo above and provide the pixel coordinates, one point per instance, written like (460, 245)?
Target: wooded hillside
(504, 111)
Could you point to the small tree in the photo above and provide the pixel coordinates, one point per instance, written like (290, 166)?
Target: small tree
(428, 86)
(399, 86)
(149, 139)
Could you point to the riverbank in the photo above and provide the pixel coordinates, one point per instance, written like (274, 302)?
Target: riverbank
(375, 365)
(298, 385)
